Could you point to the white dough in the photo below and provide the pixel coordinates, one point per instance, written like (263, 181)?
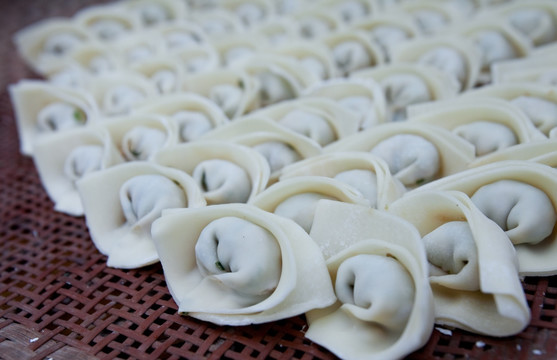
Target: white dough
(144, 197)
(60, 116)
(222, 181)
(487, 136)
(142, 142)
(191, 124)
(120, 99)
(83, 160)
(350, 56)
(300, 208)
(310, 125)
(227, 97)
(412, 159)
(365, 181)
(278, 154)
(525, 212)
(225, 252)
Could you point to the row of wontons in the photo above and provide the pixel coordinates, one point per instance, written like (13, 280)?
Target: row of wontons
(411, 197)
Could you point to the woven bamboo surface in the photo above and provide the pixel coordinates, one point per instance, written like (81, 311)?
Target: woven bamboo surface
(58, 300)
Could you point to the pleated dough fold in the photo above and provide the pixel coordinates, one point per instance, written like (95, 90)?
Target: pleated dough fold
(441, 152)
(244, 174)
(63, 158)
(296, 198)
(485, 295)
(489, 124)
(386, 190)
(302, 282)
(381, 256)
(533, 259)
(41, 108)
(121, 203)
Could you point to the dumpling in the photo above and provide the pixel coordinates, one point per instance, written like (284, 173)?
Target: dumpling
(535, 19)
(535, 258)
(152, 13)
(217, 22)
(201, 59)
(314, 23)
(431, 17)
(180, 36)
(543, 152)
(278, 145)
(64, 158)
(368, 174)
(409, 84)
(122, 202)
(363, 97)
(473, 268)
(321, 120)
(280, 78)
(276, 31)
(190, 115)
(231, 90)
(455, 55)
(225, 172)
(165, 73)
(489, 124)
(379, 270)
(234, 47)
(140, 136)
(296, 198)
(117, 94)
(440, 152)
(106, 22)
(353, 51)
(229, 283)
(44, 43)
(538, 102)
(314, 57)
(41, 108)
(388, 30)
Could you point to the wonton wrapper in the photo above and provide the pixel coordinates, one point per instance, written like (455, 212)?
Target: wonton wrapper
(533, 259)
(205, 83)
(412, 51)
(187, 156)
(107, 22)
(342, 122)
(127, 245)
(32, 40)
(136, 48)
(541, 30)
(172, 104)
(201, 59)
(315, 22)
(254, 130)
(454, 152)
(353, 61)
(304, 283)
(431, 17)
(250, 12)
(510, 92)
(29, 97)
(237, 46)
(179, 36)
(513, 45)
(165, 11)
(277, 31)
(331, 164)
(51, 156)
(119, 93)
(342, 89)
(343, 231)
(438, 84)
(217, 22)
(461, 111)
(144, 146)
(388, 30)
(314, 56)
(543, 152)
(498, 307)
(164, 72)
(351, 11)
(261, 66)
(276, 194)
